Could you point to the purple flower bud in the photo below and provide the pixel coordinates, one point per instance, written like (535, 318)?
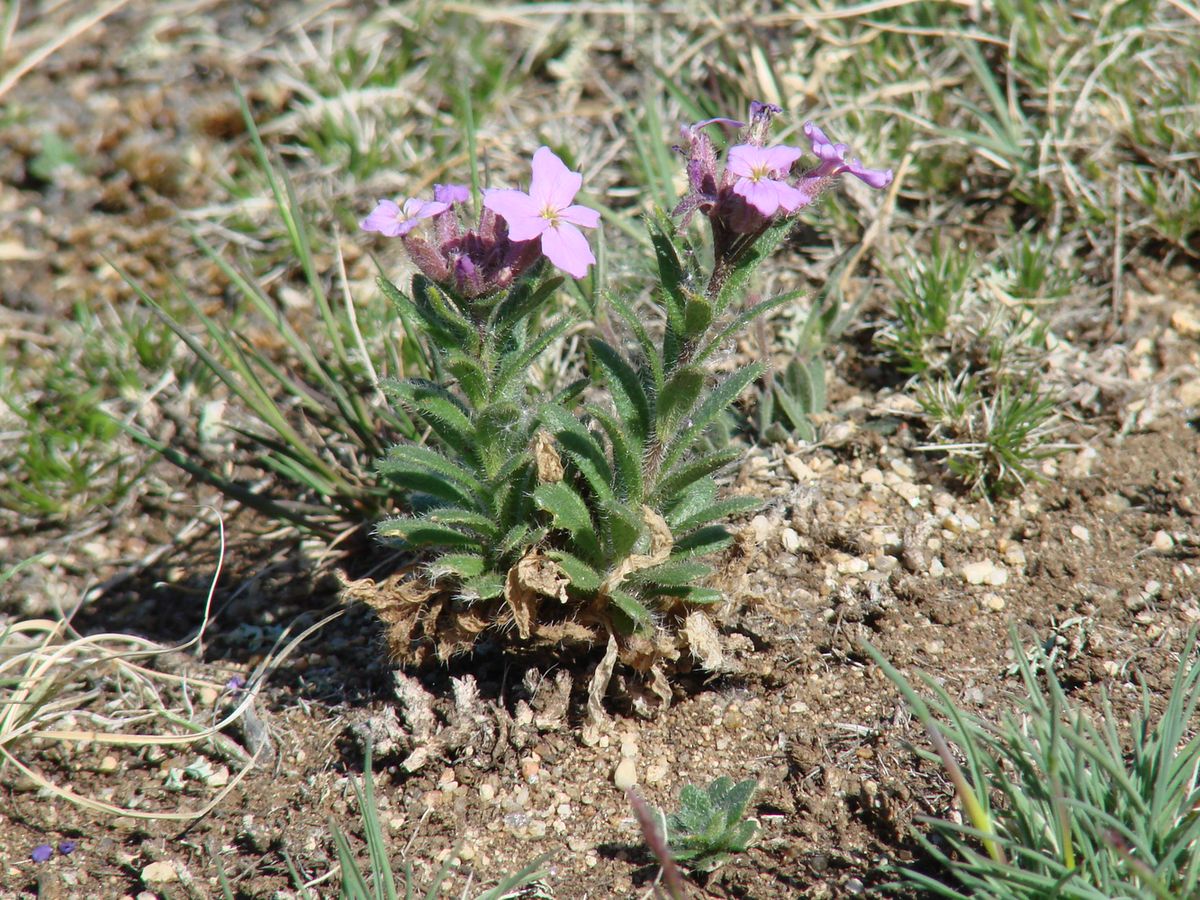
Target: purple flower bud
(234, 685)
(759, 110)
(761, 115)
(41, 853)
(66, 848)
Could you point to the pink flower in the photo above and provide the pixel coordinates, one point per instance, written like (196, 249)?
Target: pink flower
(760, 172)
(451, 193)
(834, 162)
(547, 212)
(392, 220)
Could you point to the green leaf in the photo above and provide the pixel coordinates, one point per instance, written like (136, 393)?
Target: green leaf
(738, 324)
(795, 413)
(625, 387)
(697, 316)
(421, 533)
(703, 541)
(521, 301)
(671, 274)
(421, 481)
(631, 607)
(698, 596)
(717, 401)
(672, 573)
(440, 313)
(677, 398)
(726, 509)
(470, 374)
(698, 495)
(649, 347)
(462, 565)
(517, 363)
(693, 470)
(622, 525)
(415, 458)
(441, 411)
(569, 513)
(627, 454)
(482, 587)
(581, 448)
(738, 279)
(463, 518)
(583, 577)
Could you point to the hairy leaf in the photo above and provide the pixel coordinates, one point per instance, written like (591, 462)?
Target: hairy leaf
(625, 387)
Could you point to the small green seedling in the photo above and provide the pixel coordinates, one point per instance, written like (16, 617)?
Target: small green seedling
(710, 824)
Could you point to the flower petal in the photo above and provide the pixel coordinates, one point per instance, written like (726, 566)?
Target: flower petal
(451, 193)
(781, 158)
(742, 159)
(791, 198)
(813, 132)
(762, 195)
(385, 219)
(566, 247)
(580, 215)
(553, 184)
(876, 178)
(517, 209)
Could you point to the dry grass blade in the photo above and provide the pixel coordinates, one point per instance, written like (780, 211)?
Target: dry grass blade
(60, 39)
(58, 678)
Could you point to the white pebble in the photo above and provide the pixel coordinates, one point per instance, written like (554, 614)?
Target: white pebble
(871, 476)
(1163, 542)
(625, 775)
(791, 540)
(993, 601)
(1082, 533)
(852, 565)
(161, 872)
(978, 572)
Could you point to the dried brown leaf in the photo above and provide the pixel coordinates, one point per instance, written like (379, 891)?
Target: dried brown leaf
(549, 464)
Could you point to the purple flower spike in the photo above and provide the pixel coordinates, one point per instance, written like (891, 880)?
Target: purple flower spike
(759, 110)
(547, 212)
(451, 193)
(760, 172)
(834, 162)
(66, 848)
(392, 220)
(41, 853)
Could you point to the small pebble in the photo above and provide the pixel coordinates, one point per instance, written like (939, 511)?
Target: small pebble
(969, 522)
(852, 565)
(487, 793)
(108, 765)
(978, 572)
(871, 476)
(993, 601)
(656, 773)
(1082, 533)
(625, 775)
(937, 568)
(1163, 542)
(161, 872)
(791, 540)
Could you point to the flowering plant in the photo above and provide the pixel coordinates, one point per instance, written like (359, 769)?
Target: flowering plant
(581, 517)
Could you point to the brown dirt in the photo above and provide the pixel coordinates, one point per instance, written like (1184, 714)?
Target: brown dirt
(862, 540)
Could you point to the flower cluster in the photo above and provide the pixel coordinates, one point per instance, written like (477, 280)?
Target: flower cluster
(756, 185)
(515, 230)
